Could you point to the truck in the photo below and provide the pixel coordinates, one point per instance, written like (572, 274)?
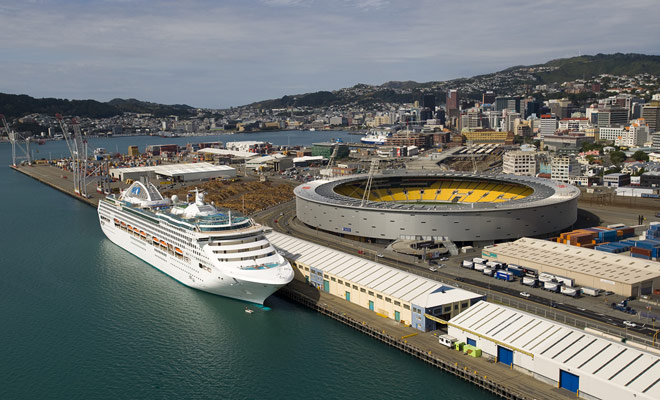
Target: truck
(487, 271)
(467, 264)
(504, 275)
(551, 286)
(570, 282)
(447, 341)
(494, 265)
(546, 277)
(530, 281)
(479, 267)
(590, 291)
(515, 270)
(568, 291)
(480, 260)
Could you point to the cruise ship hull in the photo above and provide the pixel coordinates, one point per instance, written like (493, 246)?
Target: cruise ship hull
(213, 281)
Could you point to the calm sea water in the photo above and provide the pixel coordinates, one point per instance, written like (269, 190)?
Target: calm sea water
(81, 318)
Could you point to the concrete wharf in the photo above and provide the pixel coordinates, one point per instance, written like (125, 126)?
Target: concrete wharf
(493, 377)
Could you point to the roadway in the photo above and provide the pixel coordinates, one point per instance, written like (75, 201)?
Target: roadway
(582, 312)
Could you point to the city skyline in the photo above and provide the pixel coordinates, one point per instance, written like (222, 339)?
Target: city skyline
(219, 55)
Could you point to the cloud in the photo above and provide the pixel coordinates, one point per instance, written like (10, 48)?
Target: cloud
(217, 54)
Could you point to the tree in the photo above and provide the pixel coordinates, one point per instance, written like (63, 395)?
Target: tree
(639, 155)
(617, 157)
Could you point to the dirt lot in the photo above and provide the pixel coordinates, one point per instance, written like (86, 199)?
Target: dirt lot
(244, 196)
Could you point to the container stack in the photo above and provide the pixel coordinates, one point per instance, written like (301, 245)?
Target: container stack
(646, 249)
(600, 238)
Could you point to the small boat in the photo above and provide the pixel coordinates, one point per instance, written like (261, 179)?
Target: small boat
(249, 311)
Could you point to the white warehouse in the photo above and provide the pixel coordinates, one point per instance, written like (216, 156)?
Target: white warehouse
(590, 366)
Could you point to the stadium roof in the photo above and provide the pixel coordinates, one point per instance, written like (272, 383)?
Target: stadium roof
(545, 192)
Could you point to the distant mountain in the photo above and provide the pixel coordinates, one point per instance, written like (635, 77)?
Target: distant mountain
(19, 105)
(504, 82)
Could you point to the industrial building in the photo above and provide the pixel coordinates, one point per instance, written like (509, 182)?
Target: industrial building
(623, 275)
(461, 206)
(591, 366)
(390, 292)
(225, 152)
(175, 172)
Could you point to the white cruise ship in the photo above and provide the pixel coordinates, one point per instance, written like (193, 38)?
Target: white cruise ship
(376, 137)
(195, 243)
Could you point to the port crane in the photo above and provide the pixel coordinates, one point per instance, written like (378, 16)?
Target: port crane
(15, 140)
(78, 149)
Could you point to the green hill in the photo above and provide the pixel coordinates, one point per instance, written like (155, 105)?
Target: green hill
(555, 71)
(19, 105)
(584, 67)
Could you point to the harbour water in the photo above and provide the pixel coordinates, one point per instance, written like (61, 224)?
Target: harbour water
(82, 318)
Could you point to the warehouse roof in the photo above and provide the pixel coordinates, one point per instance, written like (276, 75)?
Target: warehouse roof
(177, 169)
(387, 280)
(224, 152)
(615, 267)
(610, 361)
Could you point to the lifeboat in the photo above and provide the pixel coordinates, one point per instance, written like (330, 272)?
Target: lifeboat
(178, 251)
(123, 224)
(143, 234)
(162, 243)
(116, 221)
(136, 230)
(155, 239)
(130, 228)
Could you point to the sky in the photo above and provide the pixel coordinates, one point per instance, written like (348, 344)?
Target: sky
(222, 53)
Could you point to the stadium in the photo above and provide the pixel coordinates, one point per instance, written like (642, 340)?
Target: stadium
(464, 207)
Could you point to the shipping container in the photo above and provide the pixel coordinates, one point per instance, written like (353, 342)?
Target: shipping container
(504, 275)
(515, 270)
(479, 267)
(494, 265)
(488, 271)
(480, 260)
(570, 282)
(530, 271)
(568, 291)
(551, 286)
(590, 291)
(467, 264)
(544, 277)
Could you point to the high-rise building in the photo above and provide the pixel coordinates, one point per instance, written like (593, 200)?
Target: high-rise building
(488, 97)
(507, 103)
(651, 114)
(429, 102)
(548, 125)
(452, 100)
(519, 163)
(634, 135)
(564, 168)
(612, 116)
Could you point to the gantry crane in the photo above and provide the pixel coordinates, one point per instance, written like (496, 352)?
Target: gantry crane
(15, 140)
(78, 149)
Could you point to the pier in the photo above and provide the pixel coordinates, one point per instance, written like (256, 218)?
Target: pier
(486, 374)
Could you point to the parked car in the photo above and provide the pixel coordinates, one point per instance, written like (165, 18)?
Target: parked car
(629, 324)
(524, 294)
(433, 269)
